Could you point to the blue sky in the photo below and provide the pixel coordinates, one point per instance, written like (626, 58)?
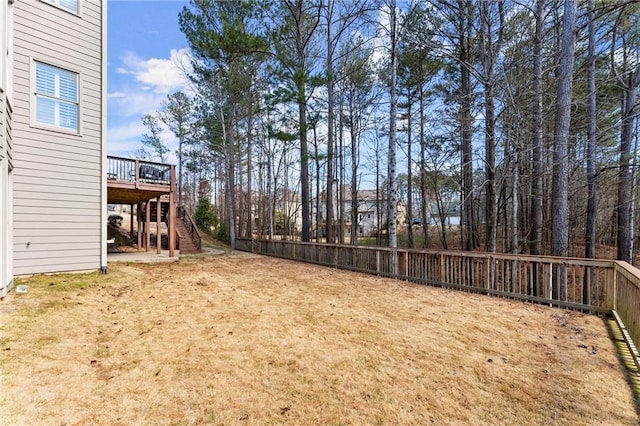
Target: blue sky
(145, 49)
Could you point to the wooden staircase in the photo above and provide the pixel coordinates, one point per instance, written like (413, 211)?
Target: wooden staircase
(189, 237)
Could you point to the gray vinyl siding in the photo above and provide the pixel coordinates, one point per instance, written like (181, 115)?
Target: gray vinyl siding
(6, 277)
(2, 119)
(6, 157)
(57, 177)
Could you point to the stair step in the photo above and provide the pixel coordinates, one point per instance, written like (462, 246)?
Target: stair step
(186, 243)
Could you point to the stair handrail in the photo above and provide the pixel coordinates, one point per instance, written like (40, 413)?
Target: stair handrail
(192, 229)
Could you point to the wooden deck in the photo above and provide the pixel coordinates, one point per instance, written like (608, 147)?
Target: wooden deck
(132, 181)
(137, 183)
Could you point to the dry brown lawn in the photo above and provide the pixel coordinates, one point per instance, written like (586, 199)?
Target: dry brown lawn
(244, 339)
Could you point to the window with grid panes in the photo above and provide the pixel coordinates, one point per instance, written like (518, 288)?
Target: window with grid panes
(56, 97)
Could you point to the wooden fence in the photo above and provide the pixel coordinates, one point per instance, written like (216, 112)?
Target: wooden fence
(597, 286)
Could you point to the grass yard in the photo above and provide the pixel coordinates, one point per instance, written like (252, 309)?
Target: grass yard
(244, 339)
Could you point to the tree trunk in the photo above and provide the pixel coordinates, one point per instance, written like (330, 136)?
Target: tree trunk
(317, 160)
(590, 230)
(249, 205)
(286, 200)
(270, 197)
(378, 212)
(304, 165)
(488, 52)
(560, 185)
(261, 196)
(409, 178)
(535, 239)
(354, 170)
(341, 206)
(330, 231)
(304, 26)
(514, 200)
(466, 123)
(227, 133)
(423, 169)
(624, 176)
(393, 183)
(634, 196)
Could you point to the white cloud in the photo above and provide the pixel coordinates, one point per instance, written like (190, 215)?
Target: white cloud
(135, 103)
(142, 84)
(140, 87)
(162, 75)
(126, 132)
(116, 95)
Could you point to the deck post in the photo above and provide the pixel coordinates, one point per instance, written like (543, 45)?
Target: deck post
(137, 174)
(139, 229)
(131, 222)
(171, 220)
(158, 230)
(147, 227)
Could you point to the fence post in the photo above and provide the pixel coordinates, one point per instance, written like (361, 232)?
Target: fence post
(394, 262)
(406, 264)
(354, 263)
(488, 280)
(614, 279)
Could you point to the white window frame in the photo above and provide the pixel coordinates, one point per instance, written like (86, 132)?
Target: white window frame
(35, 96)
(59, 5)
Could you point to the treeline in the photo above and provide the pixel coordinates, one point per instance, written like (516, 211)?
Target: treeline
(522, 114)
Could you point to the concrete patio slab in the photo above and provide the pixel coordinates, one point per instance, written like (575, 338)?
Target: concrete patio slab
(143, 257)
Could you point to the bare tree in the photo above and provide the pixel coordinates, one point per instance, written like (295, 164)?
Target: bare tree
(465, 53)
(330, 230)
(535, 239)
(628, 80)
(301, 23)
(489, 51)
(341, 19)
(152, 139)
(176, 112)
(590, 229)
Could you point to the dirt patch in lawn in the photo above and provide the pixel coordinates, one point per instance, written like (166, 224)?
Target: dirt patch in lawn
(245, 339)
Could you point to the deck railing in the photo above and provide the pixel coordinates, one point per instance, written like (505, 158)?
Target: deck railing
(138, 171)
(599, 286)
(626, 303)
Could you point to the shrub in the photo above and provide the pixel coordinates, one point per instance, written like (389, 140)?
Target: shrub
(221, 233)
(204, 216)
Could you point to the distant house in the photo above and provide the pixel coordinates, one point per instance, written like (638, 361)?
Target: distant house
(447, 212)
(372, 213)
(52, 137)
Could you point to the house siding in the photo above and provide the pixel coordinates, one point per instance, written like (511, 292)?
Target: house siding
(6, 148)
(57, 201)
(6, 161)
